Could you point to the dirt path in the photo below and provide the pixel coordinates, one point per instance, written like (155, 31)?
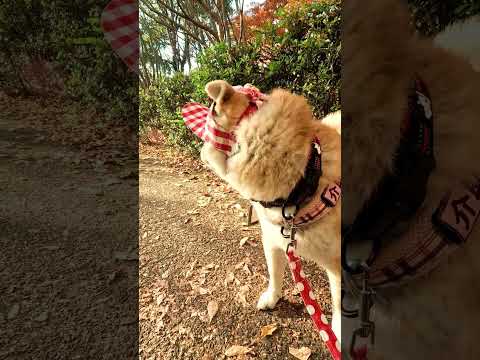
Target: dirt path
(191, 260)
(68, 236)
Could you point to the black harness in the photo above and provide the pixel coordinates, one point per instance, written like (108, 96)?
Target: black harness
(305, 188)
(400, 193)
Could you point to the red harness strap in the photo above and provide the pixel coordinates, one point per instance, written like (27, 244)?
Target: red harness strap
(319, 206)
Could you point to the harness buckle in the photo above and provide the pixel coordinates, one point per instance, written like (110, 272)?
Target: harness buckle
(367, 327)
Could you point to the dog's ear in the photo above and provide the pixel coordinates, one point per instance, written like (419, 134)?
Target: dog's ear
(219, 90)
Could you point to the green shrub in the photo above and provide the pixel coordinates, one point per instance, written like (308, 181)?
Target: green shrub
(160, 108)
(432, 16)
(304, 59)
(67, 35)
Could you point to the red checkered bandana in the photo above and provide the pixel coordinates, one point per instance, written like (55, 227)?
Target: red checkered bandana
(201, 120)
(119, 23)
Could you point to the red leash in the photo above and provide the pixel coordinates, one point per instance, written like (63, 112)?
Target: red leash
(313, 308)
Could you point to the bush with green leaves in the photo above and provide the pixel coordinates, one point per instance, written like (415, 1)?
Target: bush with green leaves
(300, 52)
(432, 16)
(68, 35)
(160, 108)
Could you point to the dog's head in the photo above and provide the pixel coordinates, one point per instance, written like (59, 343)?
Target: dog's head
(230, 104)
(274, 147)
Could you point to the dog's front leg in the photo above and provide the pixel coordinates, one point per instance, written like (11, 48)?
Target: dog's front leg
(276, 262)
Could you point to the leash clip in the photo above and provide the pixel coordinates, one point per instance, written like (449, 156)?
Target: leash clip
(289, 235)
(367, 327)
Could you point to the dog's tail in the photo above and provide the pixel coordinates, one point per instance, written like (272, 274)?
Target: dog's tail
(463, 39)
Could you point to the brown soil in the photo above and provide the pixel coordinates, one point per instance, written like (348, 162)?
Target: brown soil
(69, 262)
(191, 226)
(68, 234)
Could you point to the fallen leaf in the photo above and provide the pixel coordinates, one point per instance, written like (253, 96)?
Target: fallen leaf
(301, 354)
(13, 312)
(124, 255)
(229, 278)
(247, 269)
(42, 316)
(241, 296)
(129, 175)
(160, 297)
(190, 270)
(237, 206)
(161, 284)
(163, 311)
(239, 265)
(202, 291)
(160, 325)
(244, 240)
(112, 181)
(237, 350)
(268, 330)
(212, 309)
(166, 274)
(146, 298)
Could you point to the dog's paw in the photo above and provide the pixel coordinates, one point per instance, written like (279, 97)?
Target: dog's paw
(268, 300)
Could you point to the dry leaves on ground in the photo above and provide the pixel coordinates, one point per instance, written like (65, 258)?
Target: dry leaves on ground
(241, 296)
(268, 330)
(212, 309)
(301, 354)
(244, 240)
(229, 278)
(13, 312)
(237, 350)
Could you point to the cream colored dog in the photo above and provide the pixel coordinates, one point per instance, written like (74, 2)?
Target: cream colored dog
(436, 316)
(274, 147)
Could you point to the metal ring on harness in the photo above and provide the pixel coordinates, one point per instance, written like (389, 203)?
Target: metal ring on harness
(282, 231)
(345, 265)
(286, 216)
(346, 312)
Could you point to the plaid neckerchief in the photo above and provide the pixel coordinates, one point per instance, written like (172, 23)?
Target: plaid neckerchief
(201, 120)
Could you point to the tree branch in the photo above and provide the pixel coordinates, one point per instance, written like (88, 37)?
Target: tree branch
(183, 15)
